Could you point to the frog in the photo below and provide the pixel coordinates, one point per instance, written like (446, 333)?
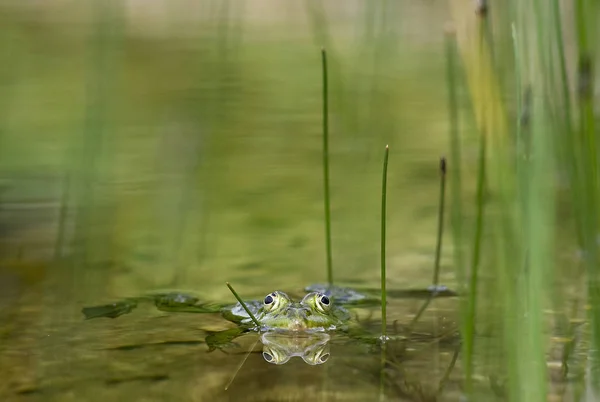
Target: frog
(316, 312)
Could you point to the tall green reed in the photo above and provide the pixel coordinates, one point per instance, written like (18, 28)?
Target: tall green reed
(326, 167)
(383, 245)
(522, 179)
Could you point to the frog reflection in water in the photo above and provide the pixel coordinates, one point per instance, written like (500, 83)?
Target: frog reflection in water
(315, 312)
(279, 348)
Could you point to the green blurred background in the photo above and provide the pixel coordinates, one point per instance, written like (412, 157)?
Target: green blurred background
(185, 138)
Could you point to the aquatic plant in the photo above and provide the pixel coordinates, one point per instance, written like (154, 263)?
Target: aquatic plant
(239, 299)
(383, 244)
(326, 169)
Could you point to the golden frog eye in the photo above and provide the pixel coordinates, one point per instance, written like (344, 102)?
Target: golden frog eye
(275, 301)
(322, 302)
(269, 299)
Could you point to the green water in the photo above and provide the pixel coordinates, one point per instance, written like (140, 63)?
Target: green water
(184, 151)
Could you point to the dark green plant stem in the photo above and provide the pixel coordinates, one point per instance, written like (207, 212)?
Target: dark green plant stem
(472, 298)
(243, 304)
(383, 268)
(326, 167)
(438, 250)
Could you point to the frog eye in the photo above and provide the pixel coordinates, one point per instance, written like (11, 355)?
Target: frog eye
(324, 358)
(269, 299)
(267, 356)
(322, 302)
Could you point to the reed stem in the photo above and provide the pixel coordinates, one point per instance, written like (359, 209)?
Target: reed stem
(326, 167)
(438, 250)
(383, 268)
(243, 304)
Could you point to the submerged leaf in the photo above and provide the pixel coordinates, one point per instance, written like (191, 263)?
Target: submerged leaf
(112, 310)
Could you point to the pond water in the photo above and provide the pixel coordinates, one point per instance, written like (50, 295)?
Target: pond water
(135, 158)
(154, 355)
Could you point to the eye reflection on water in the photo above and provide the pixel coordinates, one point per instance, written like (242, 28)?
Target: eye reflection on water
(280, 348)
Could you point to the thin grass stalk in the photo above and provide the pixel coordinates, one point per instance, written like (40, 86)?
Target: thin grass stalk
(455, 170)
(384, 337)
(239, 299)
(438, 250)
(326, 167)
(440, 231)
(383, 242)
(469, 332)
